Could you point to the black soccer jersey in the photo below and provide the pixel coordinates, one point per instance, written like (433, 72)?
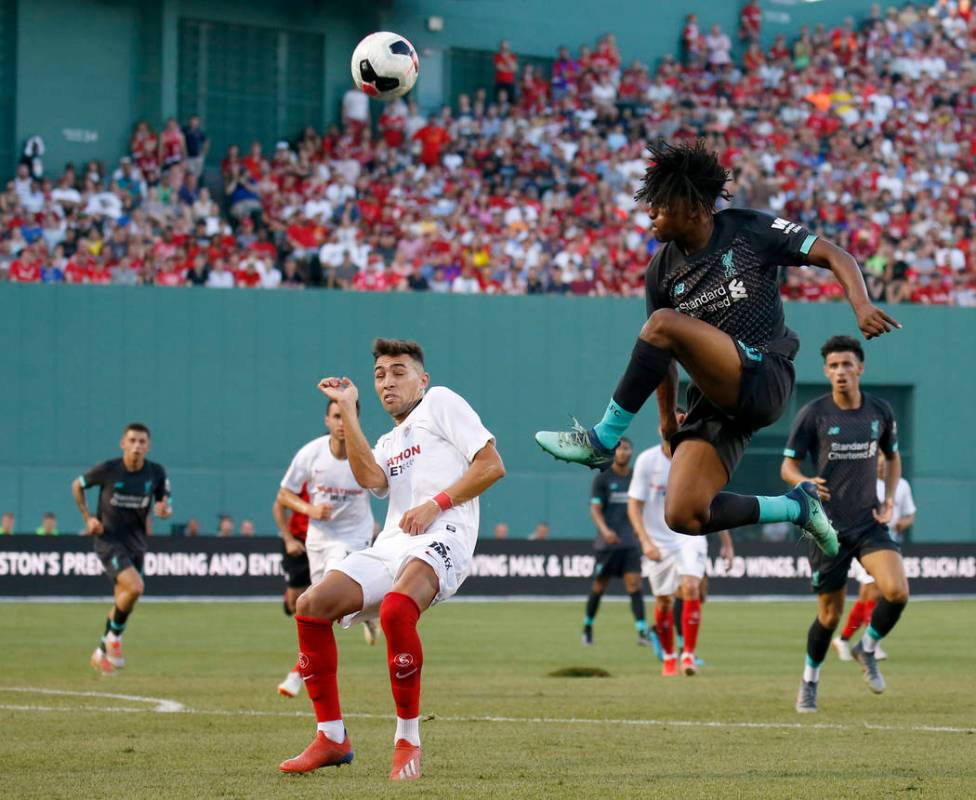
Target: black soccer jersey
(610, 492)
(125, 498)
(732, 283)
(843, 445)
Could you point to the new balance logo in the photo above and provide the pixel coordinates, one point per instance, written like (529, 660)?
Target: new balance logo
(784, 225)
(833, 430)
(737, 290)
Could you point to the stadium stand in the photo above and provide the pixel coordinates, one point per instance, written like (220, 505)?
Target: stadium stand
(863, 133)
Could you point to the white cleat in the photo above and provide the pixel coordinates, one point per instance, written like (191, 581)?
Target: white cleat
(843, 649)
(879, 654)
(369, 632)
(291, 686)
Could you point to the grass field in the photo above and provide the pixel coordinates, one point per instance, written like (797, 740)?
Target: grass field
(731, 731)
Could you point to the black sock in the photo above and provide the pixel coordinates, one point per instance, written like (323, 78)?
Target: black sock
(288, 611)
(646, 369)
(884, 617)
(120, 616)
(676, 609)
(592, 604)
(637, 605)
(730, 510)
(818, 642)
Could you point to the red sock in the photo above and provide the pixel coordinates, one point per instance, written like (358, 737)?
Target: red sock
(318, 661)
(854, 620)
(664, 622)
(869, 610)
(298, 665)
(405, 656)
(690, 620)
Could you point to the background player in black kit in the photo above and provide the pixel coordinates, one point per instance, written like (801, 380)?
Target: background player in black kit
(842, 433)
(618, 553)
(713, 305)
(127, 487)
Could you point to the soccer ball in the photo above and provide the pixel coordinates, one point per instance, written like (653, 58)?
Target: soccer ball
(385, 65)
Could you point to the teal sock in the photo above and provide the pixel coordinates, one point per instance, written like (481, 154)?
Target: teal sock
(641, 625)
(613, 425)
(587, 622)
(115, 627)
(778, 509)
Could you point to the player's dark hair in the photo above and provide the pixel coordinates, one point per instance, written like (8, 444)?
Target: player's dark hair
(842, 344)
(398, 347)
(627, 439)
(328, 406)
(138, 427)
(688, 174)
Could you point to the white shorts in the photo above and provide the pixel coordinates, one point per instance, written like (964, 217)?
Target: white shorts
(377, 567)
(323, 554)
(688, 558)
(859, 573)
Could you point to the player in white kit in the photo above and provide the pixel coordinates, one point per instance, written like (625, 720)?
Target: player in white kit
(677, 560)
(433, 465)
(902, 518)
(339, 517)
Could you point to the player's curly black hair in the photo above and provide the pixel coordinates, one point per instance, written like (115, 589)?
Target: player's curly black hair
(842, 344)
(683, 173)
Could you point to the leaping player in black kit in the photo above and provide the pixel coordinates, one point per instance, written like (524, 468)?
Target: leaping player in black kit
(127, 487)
(713, 306)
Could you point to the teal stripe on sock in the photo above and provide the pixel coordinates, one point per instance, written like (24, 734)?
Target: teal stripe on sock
(613, 425)
(641, 625)
(588, 621)
(811, 663)
(874, 634)
(778, 509)
(115, 626)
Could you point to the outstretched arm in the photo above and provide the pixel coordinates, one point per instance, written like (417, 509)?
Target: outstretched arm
(871, 320)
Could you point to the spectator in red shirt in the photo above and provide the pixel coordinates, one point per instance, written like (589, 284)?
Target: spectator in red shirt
(750, 21)
(506, 67)
(432, 138)
(25, 269)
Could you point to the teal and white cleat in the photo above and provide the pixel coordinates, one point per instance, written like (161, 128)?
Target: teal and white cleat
(813, 519)
(578, 446)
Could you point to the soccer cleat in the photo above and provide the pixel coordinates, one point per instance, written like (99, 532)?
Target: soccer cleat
(291, 686)
(689, 665)
(99, 660)
(649, 638)
(869, 663)
(406, 761)
(369, 632)
(843, 649)
(669, 669)
(322, 752)
(113, 651)
(806, 698)
(577, 446)
(587, 637)
(879, 654)
(813, 519)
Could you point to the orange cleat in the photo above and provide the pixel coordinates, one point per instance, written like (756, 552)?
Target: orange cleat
(670, 667)
(322, 752)
(406, 762)
(688, 665)
(101, 662)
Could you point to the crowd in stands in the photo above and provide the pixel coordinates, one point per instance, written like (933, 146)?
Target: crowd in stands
(864, 133)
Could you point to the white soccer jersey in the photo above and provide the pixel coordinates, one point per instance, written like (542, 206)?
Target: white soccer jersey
(427, 452)
(904, 503)
(330, 480)
(649, 483)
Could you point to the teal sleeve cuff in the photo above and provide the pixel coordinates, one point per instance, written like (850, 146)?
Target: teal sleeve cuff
(807, 244)
(789, 453)
(81, 480)
(596, 501)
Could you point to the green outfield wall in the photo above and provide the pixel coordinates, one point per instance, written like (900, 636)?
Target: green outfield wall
(226, 380)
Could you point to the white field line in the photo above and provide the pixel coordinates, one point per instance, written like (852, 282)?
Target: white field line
(174, 707)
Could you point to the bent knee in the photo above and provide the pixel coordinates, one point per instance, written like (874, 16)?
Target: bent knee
(657, 327)
(830, 619)
(687, 520)
(898, 596)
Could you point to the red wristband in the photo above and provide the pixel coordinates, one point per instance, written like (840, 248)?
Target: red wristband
(443, 500)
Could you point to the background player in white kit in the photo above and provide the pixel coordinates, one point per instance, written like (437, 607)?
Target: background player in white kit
(902, 518)
(339, 517)
(433, 465)
(677, 560)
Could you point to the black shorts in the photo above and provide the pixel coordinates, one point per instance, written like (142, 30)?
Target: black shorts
(116, 557)
(617, 563)
(767, 382)
(296, 570)
(830, 574)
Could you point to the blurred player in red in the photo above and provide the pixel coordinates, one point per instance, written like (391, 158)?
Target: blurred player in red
(294, 564)
(433, 465)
